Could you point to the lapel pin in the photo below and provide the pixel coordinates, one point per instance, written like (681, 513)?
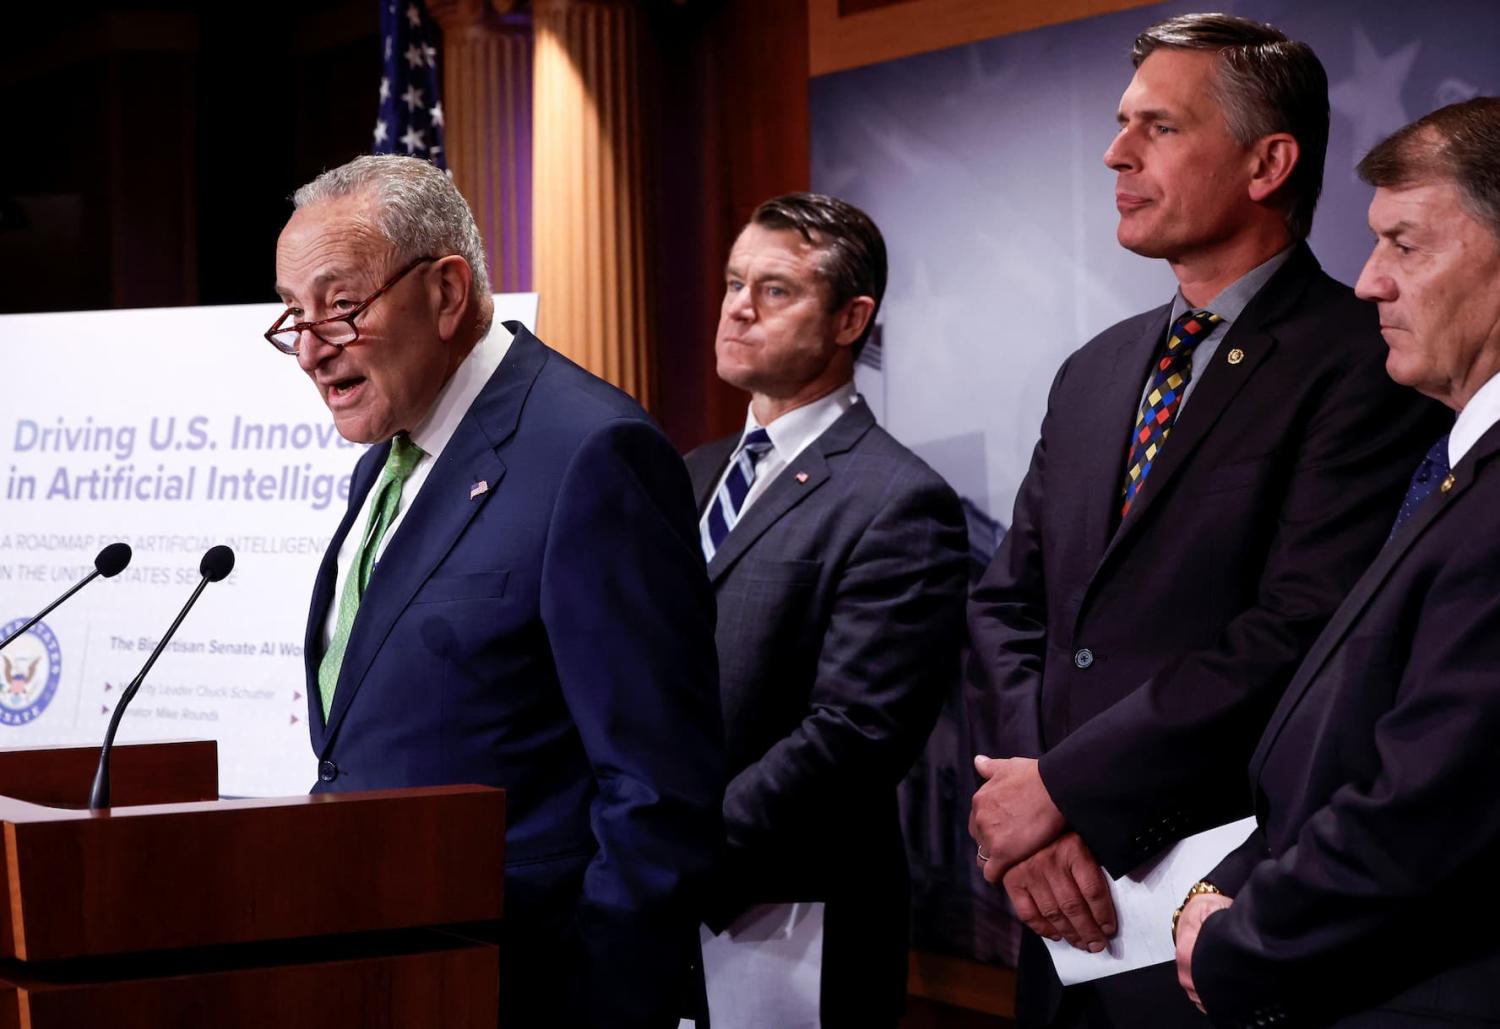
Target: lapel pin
(1447, 483)
(1236, 356)
(802, 477)
(478, 488)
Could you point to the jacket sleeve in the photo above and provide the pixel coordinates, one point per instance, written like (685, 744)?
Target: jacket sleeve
(1152, 768)
(1008, 622)
(629, 617)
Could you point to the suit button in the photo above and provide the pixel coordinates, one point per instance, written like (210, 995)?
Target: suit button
(1084, 657)
(328, 771)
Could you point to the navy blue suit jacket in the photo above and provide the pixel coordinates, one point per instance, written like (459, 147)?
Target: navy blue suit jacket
(1364, 898)
(553, 635)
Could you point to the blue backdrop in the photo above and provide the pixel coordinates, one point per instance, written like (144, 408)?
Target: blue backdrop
(982, 165)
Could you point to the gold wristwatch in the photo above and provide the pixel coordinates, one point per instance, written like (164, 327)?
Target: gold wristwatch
(1199, 888)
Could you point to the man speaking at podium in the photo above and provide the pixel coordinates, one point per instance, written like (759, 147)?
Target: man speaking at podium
(515, 597)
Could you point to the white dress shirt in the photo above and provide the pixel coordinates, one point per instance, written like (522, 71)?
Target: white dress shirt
(790, 435)
(1479, 414)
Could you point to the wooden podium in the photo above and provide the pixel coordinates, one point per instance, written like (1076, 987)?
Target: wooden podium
(175, 908)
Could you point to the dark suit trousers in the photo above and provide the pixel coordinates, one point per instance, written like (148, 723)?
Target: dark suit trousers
(1147, 998)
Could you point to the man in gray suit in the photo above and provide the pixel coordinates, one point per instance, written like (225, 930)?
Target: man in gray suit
(839, 562)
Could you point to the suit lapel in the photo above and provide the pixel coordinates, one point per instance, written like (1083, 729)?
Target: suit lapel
(1114, 419)
(440, 512)
(1367, 587)
(798, 481)
(365, 474)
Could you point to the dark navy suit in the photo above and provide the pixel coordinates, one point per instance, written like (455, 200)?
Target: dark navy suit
(1365, 898)
(553, 635)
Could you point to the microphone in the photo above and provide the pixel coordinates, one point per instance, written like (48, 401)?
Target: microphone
(216, 564)
(111, 561)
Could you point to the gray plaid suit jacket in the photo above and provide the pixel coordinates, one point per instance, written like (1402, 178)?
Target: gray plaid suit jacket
(841, 603)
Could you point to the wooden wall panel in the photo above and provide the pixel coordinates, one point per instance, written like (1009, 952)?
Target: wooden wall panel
(838, 41)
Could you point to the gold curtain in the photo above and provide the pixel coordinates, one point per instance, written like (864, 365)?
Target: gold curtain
(588, 190)
(487, 127)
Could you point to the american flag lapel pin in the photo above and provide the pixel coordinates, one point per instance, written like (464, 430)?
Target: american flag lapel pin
(478, 488)
(802, 477)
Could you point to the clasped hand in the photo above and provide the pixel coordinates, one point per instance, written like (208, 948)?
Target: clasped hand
(1053, 881)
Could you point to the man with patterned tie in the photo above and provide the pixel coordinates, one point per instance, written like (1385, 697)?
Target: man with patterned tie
(1211, 478)
(515, 596)
(839, 560)
(1361, 898)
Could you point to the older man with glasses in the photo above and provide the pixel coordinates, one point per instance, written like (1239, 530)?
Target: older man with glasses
(515, 596)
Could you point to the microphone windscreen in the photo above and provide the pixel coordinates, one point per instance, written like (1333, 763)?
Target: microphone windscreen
(113, 559)
(217, 563)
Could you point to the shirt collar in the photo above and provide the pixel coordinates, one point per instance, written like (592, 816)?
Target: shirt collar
(1479, 414)
(800, 426)
(457, 395)
(1231, 301)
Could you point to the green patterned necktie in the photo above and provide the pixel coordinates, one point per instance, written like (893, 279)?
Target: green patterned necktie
(403, 458)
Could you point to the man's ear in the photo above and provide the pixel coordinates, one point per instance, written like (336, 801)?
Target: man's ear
(450, 293)
(851, 320)
(1273, 158)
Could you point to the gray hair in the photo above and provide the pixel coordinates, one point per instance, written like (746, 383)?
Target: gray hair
(1460, 142)
(1264, 83)
(417, 208)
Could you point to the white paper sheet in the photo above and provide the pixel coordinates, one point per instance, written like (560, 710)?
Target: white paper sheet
(766, 969)
(1144, 901)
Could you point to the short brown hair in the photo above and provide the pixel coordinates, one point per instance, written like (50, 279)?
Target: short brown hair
(852, 249)
(1460, 143)
(1264, 83)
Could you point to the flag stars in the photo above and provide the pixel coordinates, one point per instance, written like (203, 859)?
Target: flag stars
(413, 140)
(414, 56)
(413, 98)
(413, 16)
(430, 53)
(436, 114)
(385, 88)
(382, 132)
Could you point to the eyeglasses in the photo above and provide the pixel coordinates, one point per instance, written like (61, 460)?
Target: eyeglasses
(339, 330)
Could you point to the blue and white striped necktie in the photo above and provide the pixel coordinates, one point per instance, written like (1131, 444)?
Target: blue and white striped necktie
(724, 509)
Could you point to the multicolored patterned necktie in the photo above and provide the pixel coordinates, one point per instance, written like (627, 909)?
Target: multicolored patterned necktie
(724, 509)
(1169, 379)
(399, 464)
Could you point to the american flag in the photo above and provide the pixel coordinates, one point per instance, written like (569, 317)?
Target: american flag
(411, 109)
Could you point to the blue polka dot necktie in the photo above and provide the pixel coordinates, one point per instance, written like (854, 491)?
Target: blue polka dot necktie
(1424, 482)
(724, 509)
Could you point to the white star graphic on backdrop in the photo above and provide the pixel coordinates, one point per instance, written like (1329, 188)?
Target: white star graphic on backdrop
(382, 132)
(413, 98)
(387, 48)
(430, 52)
(414, 56)
(436, 114)
(413, 141)
(385, 89)
(1371, 98)
(413, 16)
